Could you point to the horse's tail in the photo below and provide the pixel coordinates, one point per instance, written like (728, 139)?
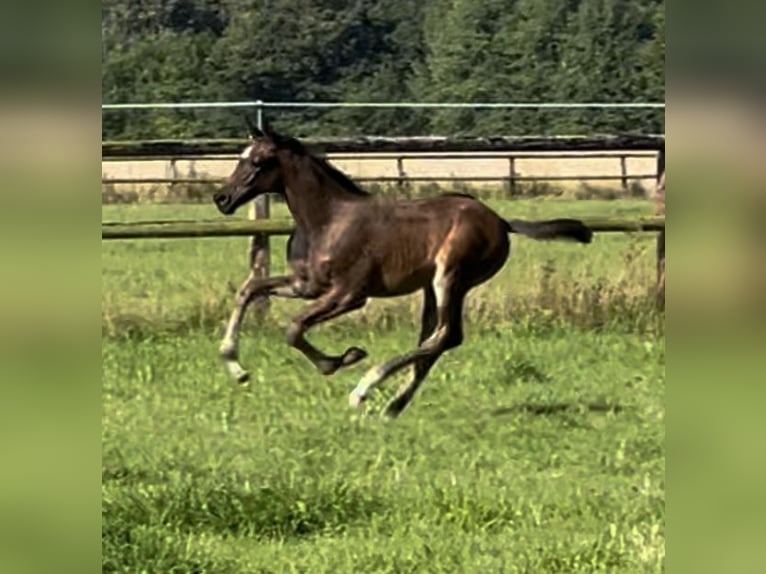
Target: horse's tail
(567, 229)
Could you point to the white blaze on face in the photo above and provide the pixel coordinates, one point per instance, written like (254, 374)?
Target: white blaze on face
(246, 154)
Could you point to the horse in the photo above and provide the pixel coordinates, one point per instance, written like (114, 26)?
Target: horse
(350, 246)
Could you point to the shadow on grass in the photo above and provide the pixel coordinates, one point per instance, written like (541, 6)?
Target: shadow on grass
(548, 409)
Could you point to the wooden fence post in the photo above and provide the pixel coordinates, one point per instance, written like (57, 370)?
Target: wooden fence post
(512, 176)
(173, 171)
(259, 243)
(660, 210)
(400, 172)
(260, 261)
(624, 172)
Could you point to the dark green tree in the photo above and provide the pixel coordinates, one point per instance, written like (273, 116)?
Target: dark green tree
(382, 50)
(165, 67)
(601, 62)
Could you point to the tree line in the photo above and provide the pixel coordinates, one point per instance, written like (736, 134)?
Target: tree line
(383, 50)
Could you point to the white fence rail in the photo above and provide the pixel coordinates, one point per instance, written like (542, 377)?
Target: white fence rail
(261, 104)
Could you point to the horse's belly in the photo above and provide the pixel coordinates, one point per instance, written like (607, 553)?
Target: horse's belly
(394, 284)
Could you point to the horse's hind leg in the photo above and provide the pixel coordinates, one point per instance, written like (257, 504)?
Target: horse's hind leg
(422, 366)
(446, 335)
(454, 337)
(328, 306)
(252, 288)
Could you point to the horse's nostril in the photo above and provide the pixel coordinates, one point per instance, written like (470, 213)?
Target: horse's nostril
(219, 198)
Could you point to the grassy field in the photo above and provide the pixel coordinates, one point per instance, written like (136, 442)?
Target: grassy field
(537, 446)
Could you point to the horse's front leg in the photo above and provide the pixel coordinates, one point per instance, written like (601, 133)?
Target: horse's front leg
(253, 288)
(328, 306)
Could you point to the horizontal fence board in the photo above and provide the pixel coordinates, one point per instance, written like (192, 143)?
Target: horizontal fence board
(366, 144)
(396, 178)
(372, 155)
(188, 229)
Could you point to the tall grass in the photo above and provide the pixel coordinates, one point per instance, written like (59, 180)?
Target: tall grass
(184, 285)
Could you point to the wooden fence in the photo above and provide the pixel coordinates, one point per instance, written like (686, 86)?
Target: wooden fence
(190, 148)
(401, 150)
(268, 227)
(261, 228)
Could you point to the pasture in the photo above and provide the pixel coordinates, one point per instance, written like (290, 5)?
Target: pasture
(537, 446)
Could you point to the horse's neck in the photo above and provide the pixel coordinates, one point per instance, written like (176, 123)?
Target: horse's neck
(313, 196)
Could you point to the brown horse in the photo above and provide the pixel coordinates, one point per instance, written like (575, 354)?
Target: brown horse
(350, 246)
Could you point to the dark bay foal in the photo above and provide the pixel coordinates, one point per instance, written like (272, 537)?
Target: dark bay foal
(350, 246)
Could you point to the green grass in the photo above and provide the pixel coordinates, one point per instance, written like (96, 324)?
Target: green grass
(537, 446)
(172, 284)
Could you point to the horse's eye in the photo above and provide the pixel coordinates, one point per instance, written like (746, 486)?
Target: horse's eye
(262, 163)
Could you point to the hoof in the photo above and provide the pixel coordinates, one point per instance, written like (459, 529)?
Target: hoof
(235, 370)
(353, 355)
(391, 412)
(328, 368)
(356, 401)
(396, 407)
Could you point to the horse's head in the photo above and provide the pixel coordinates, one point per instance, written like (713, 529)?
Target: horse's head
(258, 171)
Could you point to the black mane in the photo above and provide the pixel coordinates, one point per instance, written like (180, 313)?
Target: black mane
(338, 176)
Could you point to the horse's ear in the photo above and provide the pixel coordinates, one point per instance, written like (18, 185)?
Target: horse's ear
(269, 132)
(277, 138)
(252, 129)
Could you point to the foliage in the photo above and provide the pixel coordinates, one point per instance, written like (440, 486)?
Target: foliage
(378, 50)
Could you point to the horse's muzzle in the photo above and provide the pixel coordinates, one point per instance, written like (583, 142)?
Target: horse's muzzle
(224, 203)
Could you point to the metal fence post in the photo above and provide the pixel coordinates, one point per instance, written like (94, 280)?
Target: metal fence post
(259, 243)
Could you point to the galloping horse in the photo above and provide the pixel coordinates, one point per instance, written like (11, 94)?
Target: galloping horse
(350, 246)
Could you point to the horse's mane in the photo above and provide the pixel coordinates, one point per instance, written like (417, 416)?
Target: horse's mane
(341, 178)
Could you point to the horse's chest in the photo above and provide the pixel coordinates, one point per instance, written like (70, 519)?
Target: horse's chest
(297, 246)
(311, 272)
